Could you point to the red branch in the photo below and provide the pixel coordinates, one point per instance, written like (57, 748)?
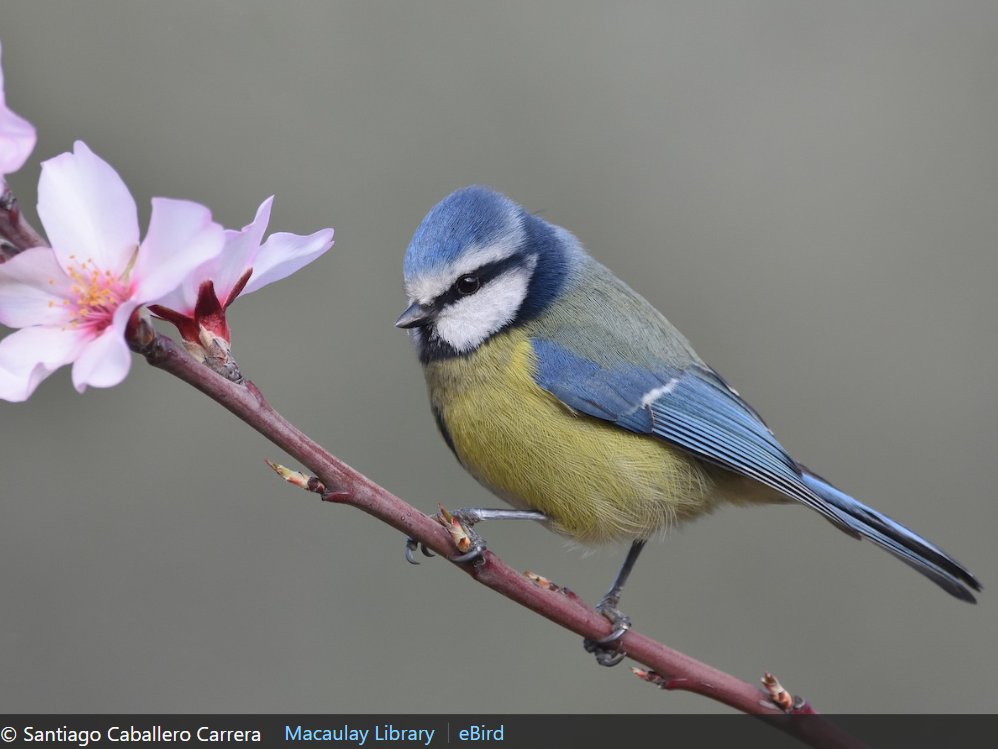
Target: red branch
(352, 488)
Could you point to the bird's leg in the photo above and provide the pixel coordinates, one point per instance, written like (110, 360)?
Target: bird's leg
(468, 517)
(608, 604)
(608, 607)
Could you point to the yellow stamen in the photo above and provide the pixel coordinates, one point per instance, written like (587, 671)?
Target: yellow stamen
(95, 293)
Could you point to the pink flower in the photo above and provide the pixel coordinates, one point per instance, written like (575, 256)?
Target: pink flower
(72, 301)
(197, 307)
(17, 137)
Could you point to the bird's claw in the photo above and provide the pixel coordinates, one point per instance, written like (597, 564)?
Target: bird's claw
(472, 540)
(476, 551)
(604, 656)
(411, 544)
(606, 649)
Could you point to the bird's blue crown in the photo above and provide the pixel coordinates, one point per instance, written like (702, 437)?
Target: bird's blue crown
(476, 217)
(470, 217)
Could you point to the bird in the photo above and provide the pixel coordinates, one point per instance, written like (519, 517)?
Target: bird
(570, 397)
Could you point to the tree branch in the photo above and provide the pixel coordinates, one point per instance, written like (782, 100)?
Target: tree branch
(14, 228)
(673, 670)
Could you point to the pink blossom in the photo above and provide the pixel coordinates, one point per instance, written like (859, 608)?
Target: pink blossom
(72, 301)
(17, 137)
(197, 307)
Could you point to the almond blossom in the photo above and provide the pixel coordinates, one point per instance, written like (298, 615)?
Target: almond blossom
(17, 136)
(72, 301)
(197, 307)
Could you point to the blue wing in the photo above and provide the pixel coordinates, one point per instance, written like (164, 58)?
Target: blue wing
(692, 408)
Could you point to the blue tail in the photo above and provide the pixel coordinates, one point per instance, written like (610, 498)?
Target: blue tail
(910, 548)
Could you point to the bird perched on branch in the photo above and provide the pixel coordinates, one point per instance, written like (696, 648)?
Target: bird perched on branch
(569, 396)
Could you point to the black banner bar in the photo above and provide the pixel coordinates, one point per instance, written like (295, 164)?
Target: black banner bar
(470, 731)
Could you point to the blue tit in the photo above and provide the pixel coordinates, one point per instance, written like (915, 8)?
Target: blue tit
(569, 396)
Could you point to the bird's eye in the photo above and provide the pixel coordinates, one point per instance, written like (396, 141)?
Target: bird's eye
(467, 284)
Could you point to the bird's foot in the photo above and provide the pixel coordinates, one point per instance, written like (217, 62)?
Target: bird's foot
(411, 544)
(460, 524)
(607, 649)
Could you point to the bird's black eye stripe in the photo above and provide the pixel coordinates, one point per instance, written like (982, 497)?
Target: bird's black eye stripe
(469, 283)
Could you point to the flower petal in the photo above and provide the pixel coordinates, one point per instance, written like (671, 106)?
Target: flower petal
(181, 237)
(106, 359)
(87, 211)
(33, 289)
(30, 355)
(224, 270)
(241, 251)
(17, 136)
(282, 254)
(183, 298)
(17, 141)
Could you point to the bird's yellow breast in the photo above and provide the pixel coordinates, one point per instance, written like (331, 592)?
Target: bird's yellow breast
(594, 481)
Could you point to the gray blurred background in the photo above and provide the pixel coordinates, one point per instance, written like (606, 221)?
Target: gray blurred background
(808, 191)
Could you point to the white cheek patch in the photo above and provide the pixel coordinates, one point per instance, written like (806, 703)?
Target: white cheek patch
(427, 288)
(469, 321)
